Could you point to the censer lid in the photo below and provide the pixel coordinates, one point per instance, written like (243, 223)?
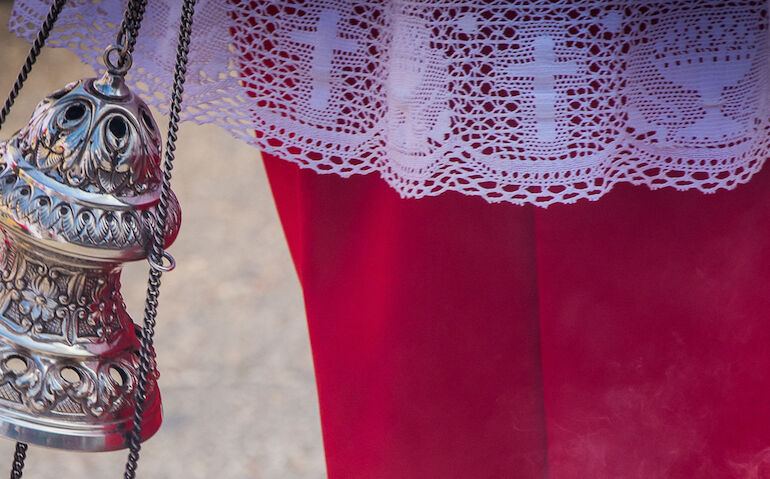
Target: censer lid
(94, 135)
(85, 173)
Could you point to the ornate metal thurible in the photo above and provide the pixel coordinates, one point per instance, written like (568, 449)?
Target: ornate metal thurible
(79, 190)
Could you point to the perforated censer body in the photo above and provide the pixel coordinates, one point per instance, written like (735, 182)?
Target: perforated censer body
(79, 190)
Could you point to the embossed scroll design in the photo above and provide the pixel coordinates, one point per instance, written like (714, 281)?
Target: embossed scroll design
(57, 386)
(92, 145)
(52, 303)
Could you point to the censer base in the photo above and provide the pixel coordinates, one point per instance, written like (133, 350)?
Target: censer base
(95, 437)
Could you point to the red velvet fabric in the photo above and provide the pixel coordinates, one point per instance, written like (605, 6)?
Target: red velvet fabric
(452, 338)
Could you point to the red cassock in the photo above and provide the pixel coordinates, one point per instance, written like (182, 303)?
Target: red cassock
(453, 338)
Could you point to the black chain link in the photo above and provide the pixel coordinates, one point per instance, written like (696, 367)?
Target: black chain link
(17, 469)
(129, 28)
(18, 460)
(37, 45)
(159, 239)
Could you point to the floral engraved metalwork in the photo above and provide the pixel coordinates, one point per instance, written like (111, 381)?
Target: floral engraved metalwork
(79, 196)
(59, 304)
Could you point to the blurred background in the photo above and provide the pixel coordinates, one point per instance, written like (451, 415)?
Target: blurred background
(236, 374)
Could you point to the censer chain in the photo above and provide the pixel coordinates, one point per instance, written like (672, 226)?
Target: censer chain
(129, 29)
(40, 39)
(18, 460)
(158, 256)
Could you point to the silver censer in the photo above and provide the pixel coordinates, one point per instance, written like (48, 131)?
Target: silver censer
(79, 188)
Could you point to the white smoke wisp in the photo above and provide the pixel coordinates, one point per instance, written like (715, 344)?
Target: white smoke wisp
(757, 467)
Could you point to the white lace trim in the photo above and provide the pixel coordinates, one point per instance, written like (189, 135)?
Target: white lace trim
(523, 101)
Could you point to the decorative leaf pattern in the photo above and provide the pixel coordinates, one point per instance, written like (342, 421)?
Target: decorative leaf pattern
(71, 222)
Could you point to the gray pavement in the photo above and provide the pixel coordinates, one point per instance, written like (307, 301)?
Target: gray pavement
(236, 373)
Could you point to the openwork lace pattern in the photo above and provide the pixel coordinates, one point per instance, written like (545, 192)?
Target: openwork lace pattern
(536, 102)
